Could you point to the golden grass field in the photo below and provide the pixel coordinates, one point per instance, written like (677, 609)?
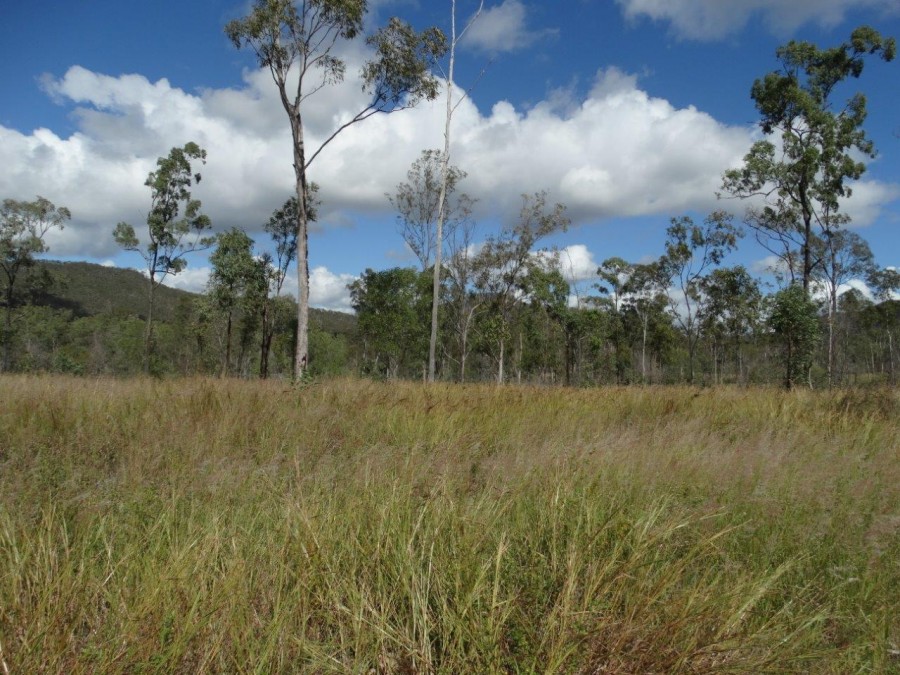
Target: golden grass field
(348, 526)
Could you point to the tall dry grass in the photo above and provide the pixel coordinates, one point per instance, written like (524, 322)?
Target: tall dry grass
(221, 526)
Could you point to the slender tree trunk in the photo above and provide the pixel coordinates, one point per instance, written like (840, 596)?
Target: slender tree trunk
(644, 349)
(464, 340)
(807, 240)
(442, 200)
(148, 337)
(715, 352)
(301, 353)
(832, 311)
(266, 343)
(500, 364)
(227, 362)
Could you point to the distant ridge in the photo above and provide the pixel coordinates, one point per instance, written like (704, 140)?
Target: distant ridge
(88, 289)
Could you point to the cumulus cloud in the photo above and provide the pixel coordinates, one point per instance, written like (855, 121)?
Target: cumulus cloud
(504, 28)
(714, 19)
(576, 263)
(191, 279)
(329, 290)
(616, 151)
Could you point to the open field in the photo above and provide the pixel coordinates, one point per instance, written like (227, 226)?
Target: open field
(351, 526)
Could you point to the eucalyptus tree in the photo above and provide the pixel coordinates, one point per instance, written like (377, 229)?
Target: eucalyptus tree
(445, 178)
(282, 228)
(418, 202)
(644, 294)
(885, 282)
(691, 249)
(390, 305)
(843, 255)
(23, 228)
(463, 301)
(175, 225)
(503, 262)
(298, 44)
(812, 150)
(732, 310)
(795, 322)
(235, 280)
(615, 274)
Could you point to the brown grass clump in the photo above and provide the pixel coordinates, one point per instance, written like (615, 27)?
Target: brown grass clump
(350, 526)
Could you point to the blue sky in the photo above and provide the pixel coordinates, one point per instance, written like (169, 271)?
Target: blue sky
(628, 111)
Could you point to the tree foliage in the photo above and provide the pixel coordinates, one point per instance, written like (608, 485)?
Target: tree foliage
(391, 306)
(795, 322)
(417, 202)
(23, 228)
(175, 225)
(812, 150)
(691, 249)
(283, 35)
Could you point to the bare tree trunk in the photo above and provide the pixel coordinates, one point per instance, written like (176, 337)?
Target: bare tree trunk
(265, 343)
(442, 200)
(439, 237)
(464, 343)
(807, 237)
(301, 353)
(148, 334)
(644, 350)
(832, 313)
(500, 364)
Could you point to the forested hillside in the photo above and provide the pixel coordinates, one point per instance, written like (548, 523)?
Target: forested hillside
(82, 318)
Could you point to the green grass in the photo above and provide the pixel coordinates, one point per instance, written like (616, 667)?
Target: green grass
(207, 526)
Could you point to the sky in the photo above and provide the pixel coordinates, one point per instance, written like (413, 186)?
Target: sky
(626, 111)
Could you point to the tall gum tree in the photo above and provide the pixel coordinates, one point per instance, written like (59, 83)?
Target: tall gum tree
(446, 178)
(804, 177)
(175, 226)
(284, 34)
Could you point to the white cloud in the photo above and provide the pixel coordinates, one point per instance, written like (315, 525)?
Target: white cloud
(714, 19)
(771, 264)
(329, 290)
(864, 207)
(503, 28)
(617, 151)
(191, 279)
(577, 263)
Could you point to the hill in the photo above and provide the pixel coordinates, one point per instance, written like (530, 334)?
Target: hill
(88, 289)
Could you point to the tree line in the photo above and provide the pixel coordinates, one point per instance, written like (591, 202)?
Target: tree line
(501, 307)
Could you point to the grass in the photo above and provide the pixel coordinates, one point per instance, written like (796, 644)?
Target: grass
(350, 526)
